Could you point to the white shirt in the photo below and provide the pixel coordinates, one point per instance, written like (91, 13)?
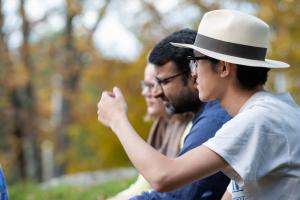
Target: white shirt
(262, 147)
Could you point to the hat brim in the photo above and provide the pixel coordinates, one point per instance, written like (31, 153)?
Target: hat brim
(235, 60)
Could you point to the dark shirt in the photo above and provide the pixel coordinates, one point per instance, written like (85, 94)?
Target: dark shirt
(206, 122)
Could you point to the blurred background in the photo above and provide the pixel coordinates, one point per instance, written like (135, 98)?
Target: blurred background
(56, 56)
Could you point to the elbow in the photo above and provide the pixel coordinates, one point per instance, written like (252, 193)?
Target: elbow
(162, 177)
(160, 182)
(159, 186)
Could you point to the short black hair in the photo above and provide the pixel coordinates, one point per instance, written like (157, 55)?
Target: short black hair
(164, 52)
(251, 77)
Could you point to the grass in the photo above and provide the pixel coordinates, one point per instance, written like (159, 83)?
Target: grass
(31, 191)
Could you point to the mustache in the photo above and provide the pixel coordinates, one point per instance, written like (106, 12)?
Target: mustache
(164, 98)
(170, 109)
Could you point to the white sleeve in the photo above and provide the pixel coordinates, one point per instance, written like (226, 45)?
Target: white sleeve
(229, 187)
(249, 144)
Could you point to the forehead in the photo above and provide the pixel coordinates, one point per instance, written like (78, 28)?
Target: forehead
(149, 70)
(168, 68)
(149, 73)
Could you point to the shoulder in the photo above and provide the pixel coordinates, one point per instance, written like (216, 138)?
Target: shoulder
(212, 111)
(207, 122)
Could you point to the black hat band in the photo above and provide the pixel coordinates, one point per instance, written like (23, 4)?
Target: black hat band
(231, 49)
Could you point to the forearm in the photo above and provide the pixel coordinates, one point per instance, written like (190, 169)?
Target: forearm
(145, 158)
(165, 174)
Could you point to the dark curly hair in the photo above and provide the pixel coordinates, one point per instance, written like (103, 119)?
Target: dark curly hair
(164, 52)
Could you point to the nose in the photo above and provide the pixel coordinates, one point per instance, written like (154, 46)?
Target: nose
(146, 92)
(157, 91)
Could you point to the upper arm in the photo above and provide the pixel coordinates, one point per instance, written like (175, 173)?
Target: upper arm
(195, 164)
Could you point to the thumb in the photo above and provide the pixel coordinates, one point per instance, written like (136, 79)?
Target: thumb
(118, 92)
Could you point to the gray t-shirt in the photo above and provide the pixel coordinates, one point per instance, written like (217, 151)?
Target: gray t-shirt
(261, 146)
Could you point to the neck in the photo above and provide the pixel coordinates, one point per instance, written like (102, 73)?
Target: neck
(236, 98)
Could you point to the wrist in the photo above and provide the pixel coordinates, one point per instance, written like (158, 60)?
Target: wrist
(119, 122)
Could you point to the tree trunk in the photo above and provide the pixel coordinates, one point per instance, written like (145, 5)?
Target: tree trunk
(71, 74)
(23, 102)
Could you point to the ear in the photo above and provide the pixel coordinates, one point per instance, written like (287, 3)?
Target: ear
(225, 69)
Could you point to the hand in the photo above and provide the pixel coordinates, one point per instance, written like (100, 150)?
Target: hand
(112, 107)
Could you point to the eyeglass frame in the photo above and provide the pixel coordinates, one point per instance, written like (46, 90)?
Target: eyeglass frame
(193, 61)
(193, 64)
(161, 82)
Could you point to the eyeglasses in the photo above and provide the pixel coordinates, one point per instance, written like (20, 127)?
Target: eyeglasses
(194, 61)
(167, 80)
(146, 85)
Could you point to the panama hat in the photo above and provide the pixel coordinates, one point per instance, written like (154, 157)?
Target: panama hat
(234, 37)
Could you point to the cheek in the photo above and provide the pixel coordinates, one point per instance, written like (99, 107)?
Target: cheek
(203, 90)
(204, 85)
(201, 80)
(168, 90)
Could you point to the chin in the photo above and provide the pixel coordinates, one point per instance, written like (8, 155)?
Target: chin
(153, 113)
(204, 98)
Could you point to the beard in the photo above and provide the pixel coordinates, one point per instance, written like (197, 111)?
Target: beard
(187, 101)
(171, 110)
